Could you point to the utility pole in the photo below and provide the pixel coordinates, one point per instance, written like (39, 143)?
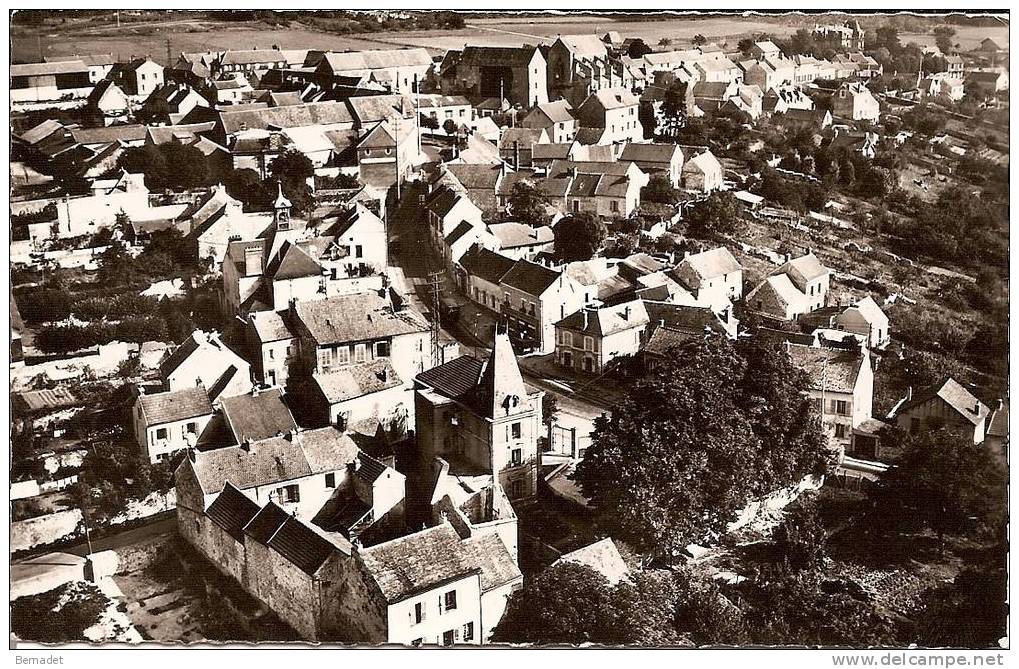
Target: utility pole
(396, 135)
(169, 54)
(435, 284)
(417, 112)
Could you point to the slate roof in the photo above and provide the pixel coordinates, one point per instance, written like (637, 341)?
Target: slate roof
(806, 267)
(557, 111)
(41, 131)
(126, 133)
(664, 339)
(232, 510)
(828, 369)
(524, 137)
(955, 395)
(170, 363)
(512, 56)
(614, 98)
(368, 469)
(92, 59)
(175, 405)
(551, 151)
(584, 46)
(266, 522)
(376, 59)
(486, 265)
(785, 291)
(476, 177)
(682, 317)
(530, 278)
(650, 153)
(415, 563)
(45, 400)
(49, 68)
(353, 318)
(260, 416)
(462, 228)
(252, 57)
(292, 262)
(357, 380)
(456, 378)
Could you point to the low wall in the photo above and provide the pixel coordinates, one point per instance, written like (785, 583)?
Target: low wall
(48, 529)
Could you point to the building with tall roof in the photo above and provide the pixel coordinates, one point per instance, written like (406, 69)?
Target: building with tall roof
(203, 359)
(947, 403)
(480, 417)
(515, 74)
(614, 111)
(168, 422)
(798, 287)
(714, 277)
(590, 339)
(841, 382)
(556, 118)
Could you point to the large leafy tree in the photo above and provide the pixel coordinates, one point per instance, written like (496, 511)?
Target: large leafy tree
(528, 204)
(675, 108)
(944, 483)
(972, 611)
(684, 450)
(293, 169)
(567, 603)
(719, 215)
(579, 236)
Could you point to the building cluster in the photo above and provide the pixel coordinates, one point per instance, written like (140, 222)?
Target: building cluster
(341, 460)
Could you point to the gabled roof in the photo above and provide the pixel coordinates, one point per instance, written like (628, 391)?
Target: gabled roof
(290, 116)
(355, 318)
(870, 310)
(514, 235)
(709, 264)
(454, 379)
(607, 321)
(557, 111)
(954, 395)
(530, 278)
(43, 69)
(376, 59)
(784, 290)
(357, 380)
(805, 268)
(90, 60)
(258, 415)
(252, 57)
(175, 405)
(829, 369)
(485, 264)
(584, 46)
(434, 556)
(603, 557)
(512, 56)
(501, 384)
(613, 98)
(124, 133)
(232, 510)
(652, 153)
(525, 138)
(292, 262)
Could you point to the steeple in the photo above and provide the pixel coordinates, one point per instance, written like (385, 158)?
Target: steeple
(502, 388)
(281, 209)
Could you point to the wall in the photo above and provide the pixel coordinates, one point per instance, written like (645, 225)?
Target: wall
(284, 588)
(400, 619)
(493, 605)
(48, 529)
(226, 553)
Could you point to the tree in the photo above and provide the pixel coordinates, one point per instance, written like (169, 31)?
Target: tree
(638, 49)
(567, 603)
(116, 266)
(745, 45)
(549, 408)
(579, 236)
(801, 537)
(943, 39)
(972, 611)
(245, 185)
(719, 215)
(449, 125)
(942, 482)
(682, 452)
(293, 169)
(529, 204)
(660, 189)
(699, 39)
(430, 122)
(675, 107)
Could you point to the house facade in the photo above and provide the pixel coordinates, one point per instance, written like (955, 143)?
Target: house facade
(591, 339)
(172, 421)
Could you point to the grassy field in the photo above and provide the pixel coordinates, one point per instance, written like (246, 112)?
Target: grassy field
(192, 35)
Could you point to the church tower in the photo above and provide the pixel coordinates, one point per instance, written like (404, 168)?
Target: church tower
(281, 210)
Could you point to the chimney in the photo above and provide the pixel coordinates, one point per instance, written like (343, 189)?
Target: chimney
(291, 436)
(626, 313)
(246, 445)
(976, 407)
(191, 454)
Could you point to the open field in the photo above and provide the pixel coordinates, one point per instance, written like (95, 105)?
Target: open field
(193, 36)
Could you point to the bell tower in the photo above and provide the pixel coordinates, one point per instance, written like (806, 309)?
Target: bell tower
(281, 209)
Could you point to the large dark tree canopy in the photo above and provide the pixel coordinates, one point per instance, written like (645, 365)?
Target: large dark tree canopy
(690, 445)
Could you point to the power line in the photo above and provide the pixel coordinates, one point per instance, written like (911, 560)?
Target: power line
(435, 280)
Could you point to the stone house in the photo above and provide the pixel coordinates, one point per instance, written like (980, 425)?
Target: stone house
(866, 318)
(854, 101)
(138, 77)
(482, 273)
(516, 145)
(555, 118)
(842, 385)
(203, 359)
(591, 339)
(515, 74)
(797, 287)
(713, 277)
(170, 421)
(656, 159)
(614, 111)
(702, 173)
(272, 345)
(534, 298)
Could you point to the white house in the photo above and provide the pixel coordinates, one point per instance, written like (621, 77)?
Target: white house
(167, 422)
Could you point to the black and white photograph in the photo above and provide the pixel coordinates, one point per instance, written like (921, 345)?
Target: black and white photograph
(545, 330)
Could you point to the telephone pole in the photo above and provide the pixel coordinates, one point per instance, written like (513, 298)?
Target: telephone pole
(435, 284)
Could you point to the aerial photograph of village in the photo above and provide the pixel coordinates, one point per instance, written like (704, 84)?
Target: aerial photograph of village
(438, 328)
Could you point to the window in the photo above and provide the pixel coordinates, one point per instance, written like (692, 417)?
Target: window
(841, 407)
(516, 456)
(419, 613)
(449, 599)
(615, 205)
(382, 349)
(367, 152)
(161, 433)
(567, 339)
(360, 352)
(290, 351)
(343, 355)
(515, 430)
(588, 344)
(331, 480)
(840, 431)
(191, 428)
(272, 354)
(447, 637)
(290, 494)
(468, 632)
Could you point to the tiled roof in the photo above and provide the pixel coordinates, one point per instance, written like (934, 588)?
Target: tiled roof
(607, 320)
(292, 262)
(498, 55)
(41, 131)
(557, 111)
(514, 235)
(829, 370)
(953, 394)
(584, 46)
(232, 510)
(525, 138)
(301, 545)
(664, 339)
(614, 98)
(357, 380)
(290, 116)
(42, 69)
(327, 449)
(258, 416)
(652, 153)
(476, 176)
(252, 57)
(486, 265)
(126, 133)
(603, 557)
(266, 522)
(682, 317)
(353, 318)
(806, 268)
(175, 405)
(375, 59)
(710, 264)
(368, 469)
(530, 278)
(455, 379)
(420, 561)
(270, 326)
